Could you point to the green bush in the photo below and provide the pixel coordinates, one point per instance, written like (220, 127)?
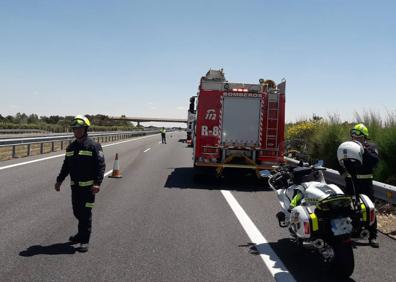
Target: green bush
(328, 134)
(387, 151)
(299, 138)
(326, 140)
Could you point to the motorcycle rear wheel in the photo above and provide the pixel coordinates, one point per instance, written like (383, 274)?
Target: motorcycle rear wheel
(343, 263)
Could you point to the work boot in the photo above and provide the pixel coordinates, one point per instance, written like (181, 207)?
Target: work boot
(74, 239)
(83, 248)
(374, 243)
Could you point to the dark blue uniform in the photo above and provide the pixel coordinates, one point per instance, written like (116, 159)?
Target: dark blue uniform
(86, 165)
(364, 178)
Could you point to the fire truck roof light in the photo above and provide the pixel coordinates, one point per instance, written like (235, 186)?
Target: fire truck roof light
(240, 90)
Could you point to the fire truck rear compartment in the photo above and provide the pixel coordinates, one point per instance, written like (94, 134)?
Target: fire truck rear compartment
(241, 121)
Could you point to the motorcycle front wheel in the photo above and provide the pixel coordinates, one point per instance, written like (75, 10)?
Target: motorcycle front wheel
(343, 263)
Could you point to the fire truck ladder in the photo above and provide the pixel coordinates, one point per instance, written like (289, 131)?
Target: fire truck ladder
(272, 120)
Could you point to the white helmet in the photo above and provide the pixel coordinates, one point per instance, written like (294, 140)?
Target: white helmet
(350, 154)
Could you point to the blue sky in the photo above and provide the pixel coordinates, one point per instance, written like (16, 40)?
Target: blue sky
(145, 58)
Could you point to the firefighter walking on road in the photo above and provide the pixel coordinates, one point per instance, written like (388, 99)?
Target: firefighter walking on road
(163, 135)
(84, 161)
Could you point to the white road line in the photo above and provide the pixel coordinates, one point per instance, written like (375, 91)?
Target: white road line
(267, 254)
(107, 173)
(139, 138)
(146, 150)
(29, 162)
(62, 155)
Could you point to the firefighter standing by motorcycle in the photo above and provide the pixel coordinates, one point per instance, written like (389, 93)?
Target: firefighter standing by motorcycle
(84, 161)
(364, 174)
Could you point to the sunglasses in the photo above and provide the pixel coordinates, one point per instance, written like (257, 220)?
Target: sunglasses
(356, 133)
(77, 123)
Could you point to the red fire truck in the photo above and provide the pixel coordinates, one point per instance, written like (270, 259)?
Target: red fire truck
(239, 125)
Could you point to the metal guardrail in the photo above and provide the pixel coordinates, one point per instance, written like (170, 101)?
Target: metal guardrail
(381, 190)
(28, 141)
(21, 131)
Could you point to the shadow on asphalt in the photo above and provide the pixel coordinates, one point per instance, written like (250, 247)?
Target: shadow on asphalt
(185, 178)
(301, 263)
(55, 249)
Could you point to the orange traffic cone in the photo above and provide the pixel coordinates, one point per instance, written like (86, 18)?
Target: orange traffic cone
(116, 169)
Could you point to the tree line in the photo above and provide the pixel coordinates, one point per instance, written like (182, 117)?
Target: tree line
(56, 123)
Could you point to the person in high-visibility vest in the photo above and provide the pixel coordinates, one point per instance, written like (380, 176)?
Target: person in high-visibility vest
(364, 176)
(84, 161)
(163, 135)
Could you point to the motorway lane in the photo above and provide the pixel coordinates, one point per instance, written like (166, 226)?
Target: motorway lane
(144, 230)
(154, 224)
(31, 209)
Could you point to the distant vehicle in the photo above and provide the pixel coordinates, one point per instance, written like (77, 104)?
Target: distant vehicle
(191, 121)
(238, 125)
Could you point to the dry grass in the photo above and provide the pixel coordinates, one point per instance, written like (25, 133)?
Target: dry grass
(387, 219)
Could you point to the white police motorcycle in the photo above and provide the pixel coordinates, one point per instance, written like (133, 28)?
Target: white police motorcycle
(320, 216)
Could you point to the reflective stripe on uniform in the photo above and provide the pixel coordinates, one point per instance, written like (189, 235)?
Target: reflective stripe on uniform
(69, 154)
(314, 218)
(364, 176)
(82, 183)
(89, 205)
(85, 183)
(85, 153)
(361, 176)
(364, 213)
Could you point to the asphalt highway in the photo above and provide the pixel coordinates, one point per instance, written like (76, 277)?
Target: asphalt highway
(156, 224)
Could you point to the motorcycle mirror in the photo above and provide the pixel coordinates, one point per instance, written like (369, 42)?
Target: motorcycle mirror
(264, 173)
(319, 165)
